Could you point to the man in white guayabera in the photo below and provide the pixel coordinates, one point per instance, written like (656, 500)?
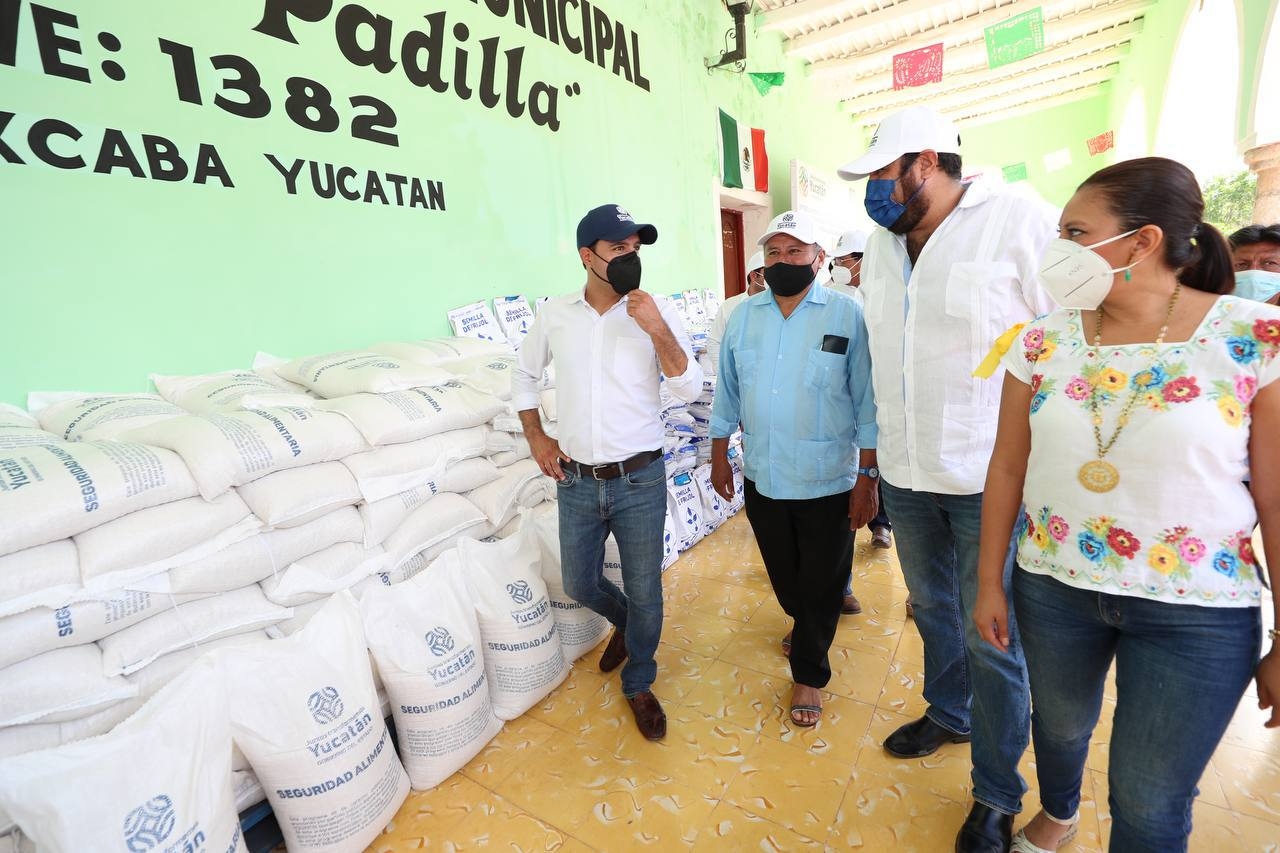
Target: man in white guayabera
(609, 340)
(951, 267)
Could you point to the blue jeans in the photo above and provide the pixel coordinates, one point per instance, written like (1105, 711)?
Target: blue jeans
(970, 687)
(1180, 672)
(634, 508)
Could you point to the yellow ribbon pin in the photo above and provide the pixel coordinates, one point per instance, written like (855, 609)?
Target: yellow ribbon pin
(992, 361)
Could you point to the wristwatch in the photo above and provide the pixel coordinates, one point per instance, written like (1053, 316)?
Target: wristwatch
(873, 472)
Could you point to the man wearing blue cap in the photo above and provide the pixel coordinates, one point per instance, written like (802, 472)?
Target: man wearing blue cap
(609, 340)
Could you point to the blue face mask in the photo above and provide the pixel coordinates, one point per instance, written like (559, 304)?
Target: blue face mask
(879, 202)
(1257, 285)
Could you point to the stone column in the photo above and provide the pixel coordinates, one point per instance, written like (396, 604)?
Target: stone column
(1265, 163)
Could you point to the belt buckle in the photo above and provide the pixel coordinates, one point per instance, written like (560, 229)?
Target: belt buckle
(595, 473)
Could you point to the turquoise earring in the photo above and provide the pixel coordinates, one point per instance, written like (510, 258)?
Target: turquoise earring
(1128, 275)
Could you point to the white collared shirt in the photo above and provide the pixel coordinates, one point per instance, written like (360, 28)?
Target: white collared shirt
(716, 333)
(607, 377)
(930, 325)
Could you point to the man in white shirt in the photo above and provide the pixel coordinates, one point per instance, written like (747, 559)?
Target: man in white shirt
(846, 263)
(755, 284)
(952, 266)
(608, 341)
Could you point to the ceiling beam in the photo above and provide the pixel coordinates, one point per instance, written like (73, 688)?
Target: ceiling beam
(798, 14)
(982, 114)
(1079, 54)
(1049, 78)
(970, 36)
(828, 38)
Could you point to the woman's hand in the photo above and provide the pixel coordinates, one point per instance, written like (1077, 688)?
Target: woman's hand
(1268, 675)
(991, 615)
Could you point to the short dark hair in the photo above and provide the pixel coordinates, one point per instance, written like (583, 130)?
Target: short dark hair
(1252, 234)
(948, 163)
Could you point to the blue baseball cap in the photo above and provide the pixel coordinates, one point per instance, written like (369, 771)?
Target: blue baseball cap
(612, 222)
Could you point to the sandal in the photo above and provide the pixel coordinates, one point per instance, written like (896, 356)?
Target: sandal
(812, 709)
(786, 645)
(1020, 844)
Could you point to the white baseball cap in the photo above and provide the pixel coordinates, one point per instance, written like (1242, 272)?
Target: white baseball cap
(794, 222)
(850, 243)
(756, 262)
(911, 131)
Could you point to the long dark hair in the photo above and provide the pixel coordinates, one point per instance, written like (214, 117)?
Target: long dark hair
(1162, 192)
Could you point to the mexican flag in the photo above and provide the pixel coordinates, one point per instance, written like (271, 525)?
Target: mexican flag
(743, 161)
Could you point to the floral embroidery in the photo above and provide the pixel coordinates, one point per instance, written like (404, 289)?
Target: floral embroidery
(1267, 330)
(1177, 553)
(1047, 532)
(1181, 390)
(1106, 544)
(1236, 556)
(1039, 345)
(1078, 388)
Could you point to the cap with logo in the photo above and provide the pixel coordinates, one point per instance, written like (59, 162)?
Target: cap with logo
(756, 262)
(611, 222)
(911, 131)
(850, 243)
(794, 222)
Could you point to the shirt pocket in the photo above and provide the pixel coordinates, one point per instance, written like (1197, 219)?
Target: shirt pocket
(965, 432)
(822, 370)
(746, 363)
(980, 296)
(634, 360)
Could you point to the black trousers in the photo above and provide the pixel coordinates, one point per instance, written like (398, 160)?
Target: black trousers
(803, 543)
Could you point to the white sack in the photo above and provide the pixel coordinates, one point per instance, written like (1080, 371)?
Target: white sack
(714, 510)
(338, 374)
(43, 576)
(74, 416)
(161, 781)
(381, 517)
(426, 642)
(436, 350)
(416, 413)
(441, 518)
(229, 391)
(489, 374)
(336, 568)
(231, 449)
(154, 540)
(514, 317)
(58, 490)
(522, 655)
(522, 485)
(684, 505)
(294, 497)
(386, 471)
(581, 629)
(476, 321)
(239, 612)
(305, 713)
(60, 685)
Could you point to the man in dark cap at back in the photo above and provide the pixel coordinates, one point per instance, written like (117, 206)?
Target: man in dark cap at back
(611, 343)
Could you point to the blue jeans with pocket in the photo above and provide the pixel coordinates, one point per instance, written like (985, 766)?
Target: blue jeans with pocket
(971, 687)
(633, 507)
(1180, 672)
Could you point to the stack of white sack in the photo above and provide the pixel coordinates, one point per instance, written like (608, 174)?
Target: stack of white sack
(230, 390)
(20, 429)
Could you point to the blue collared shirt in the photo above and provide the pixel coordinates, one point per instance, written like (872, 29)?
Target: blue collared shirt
(804, 411)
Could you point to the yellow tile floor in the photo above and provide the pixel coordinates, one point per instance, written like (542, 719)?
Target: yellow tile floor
(734, 774)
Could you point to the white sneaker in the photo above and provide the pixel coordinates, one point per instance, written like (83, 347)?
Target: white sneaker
(1020, 844)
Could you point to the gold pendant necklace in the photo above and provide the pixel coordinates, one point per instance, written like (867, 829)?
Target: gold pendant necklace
(1099, 475)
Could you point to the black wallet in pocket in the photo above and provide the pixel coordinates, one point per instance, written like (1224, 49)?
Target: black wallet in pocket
(835, 343)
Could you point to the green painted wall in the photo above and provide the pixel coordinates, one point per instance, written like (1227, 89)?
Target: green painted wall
(1026, 139)
(108, 276)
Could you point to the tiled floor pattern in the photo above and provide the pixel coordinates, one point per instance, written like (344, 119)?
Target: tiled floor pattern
(733, 773)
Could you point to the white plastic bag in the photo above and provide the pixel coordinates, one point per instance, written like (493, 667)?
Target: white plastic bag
(161, 781)
(476, 321)
(713, 508)
(514, 317)
(426, 642)
(684, 505)
(305, 713)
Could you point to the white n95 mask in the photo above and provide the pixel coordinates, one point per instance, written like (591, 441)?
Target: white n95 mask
(840, 275)
(1076, 276)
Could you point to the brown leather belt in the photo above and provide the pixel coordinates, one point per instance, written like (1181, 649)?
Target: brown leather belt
(611, 470)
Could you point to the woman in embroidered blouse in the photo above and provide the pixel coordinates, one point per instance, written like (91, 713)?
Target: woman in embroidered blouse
(1125, 432)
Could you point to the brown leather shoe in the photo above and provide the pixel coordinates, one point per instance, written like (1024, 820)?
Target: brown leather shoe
(614, 653)
(850, 605)
(650, 718)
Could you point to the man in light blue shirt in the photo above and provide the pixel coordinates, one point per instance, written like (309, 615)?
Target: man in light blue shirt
(795, 372)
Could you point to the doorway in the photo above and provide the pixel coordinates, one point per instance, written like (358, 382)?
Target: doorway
(735, 280)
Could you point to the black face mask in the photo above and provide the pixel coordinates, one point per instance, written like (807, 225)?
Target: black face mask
(623, 272)
(788, 279)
